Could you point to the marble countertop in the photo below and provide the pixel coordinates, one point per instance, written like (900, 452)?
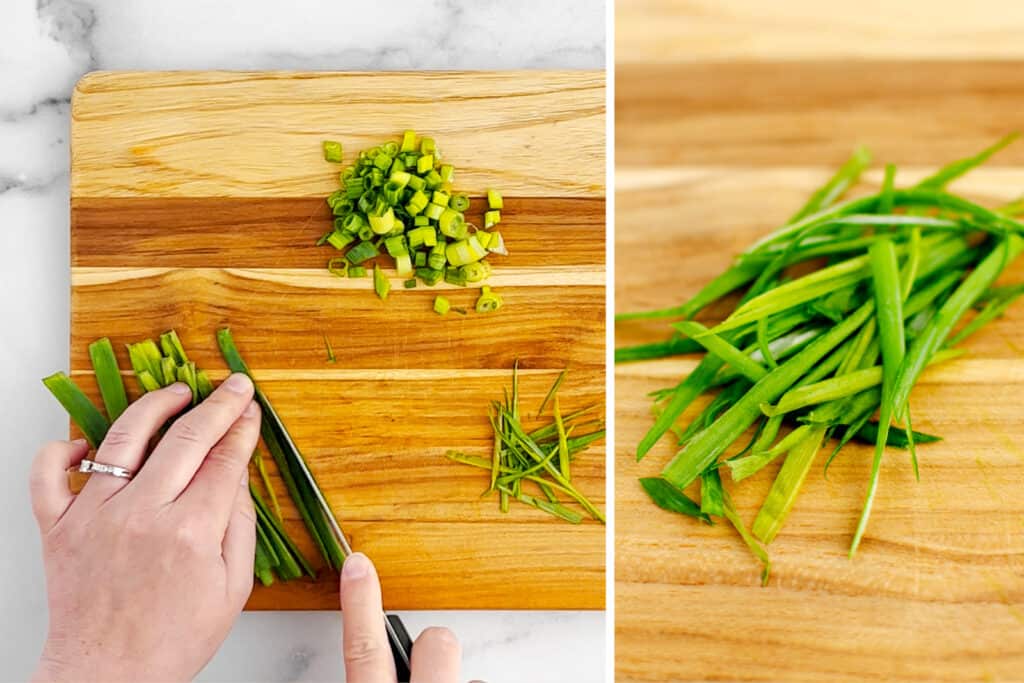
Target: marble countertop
(45, 46)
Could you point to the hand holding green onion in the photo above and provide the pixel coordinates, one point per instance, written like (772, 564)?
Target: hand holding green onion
(166, 557)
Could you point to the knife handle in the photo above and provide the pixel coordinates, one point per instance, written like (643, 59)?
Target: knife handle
(401, 646)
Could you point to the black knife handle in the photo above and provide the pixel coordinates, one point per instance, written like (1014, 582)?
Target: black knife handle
(401, 647)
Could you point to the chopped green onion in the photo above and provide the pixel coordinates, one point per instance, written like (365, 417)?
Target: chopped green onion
(397, 197)
(332, 151)
(465, 251)
(488, 301)
(494, 200)
(408, 141)
(381, 284)
(340, 240)
(338, 266)
(441, 305)
(434, 211)
(396, 246)
(361, 252)
(452, 224)
(476, 272)
(356, 271)
(403, 265)
(420, 237)
(437, 258)
(383, 223)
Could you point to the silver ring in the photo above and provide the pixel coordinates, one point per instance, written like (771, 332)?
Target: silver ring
(102, 468)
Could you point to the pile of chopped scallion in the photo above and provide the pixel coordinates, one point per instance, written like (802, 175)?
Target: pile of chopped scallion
(398, 198)
(160, 365)
(540, 458)
(824, 353)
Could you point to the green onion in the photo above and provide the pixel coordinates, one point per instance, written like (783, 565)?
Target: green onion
(465, 251)
(823, 345)
(108, 376)
(429, 276)
(338, 267)
(408, 141)
(332, 151)
(261, 469)
(274, 551)
(441, 305)
(494, 200)
(668, 497)
(361, 253)
(552, 391)
(787, 484)
(519, 457)
(488, 301)
(286, 459)
(381, 284)
(401, 193)
(712, 494)
(78, 406)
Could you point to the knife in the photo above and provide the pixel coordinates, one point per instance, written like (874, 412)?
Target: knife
(398, 636)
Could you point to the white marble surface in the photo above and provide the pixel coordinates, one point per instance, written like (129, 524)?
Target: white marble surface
(45, 47)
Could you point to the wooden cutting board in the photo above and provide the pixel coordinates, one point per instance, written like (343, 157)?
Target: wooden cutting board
(196, 199)
(936, 592)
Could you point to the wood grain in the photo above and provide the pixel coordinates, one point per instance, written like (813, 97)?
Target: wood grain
(236, 134)
(936, 591)
(196, 202)
(751, 114)
(698, 30)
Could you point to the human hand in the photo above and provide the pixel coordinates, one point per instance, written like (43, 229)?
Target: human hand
(145, 577)
(436, 655)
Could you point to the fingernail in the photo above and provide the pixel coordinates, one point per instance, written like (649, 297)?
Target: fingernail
(180, 388)
(356, 566)
(78, 443)
(238, 383)
(251, 410)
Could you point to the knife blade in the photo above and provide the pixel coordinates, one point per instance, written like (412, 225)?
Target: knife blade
(398, 636)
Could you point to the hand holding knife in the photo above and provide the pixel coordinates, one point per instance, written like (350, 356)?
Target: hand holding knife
(398, 636)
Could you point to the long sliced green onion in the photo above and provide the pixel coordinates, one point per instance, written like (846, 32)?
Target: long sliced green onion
(540, 457)
(839, 312)
(668, 497)
(286, 459)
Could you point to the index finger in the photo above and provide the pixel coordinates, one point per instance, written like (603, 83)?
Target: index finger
(186, 444)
